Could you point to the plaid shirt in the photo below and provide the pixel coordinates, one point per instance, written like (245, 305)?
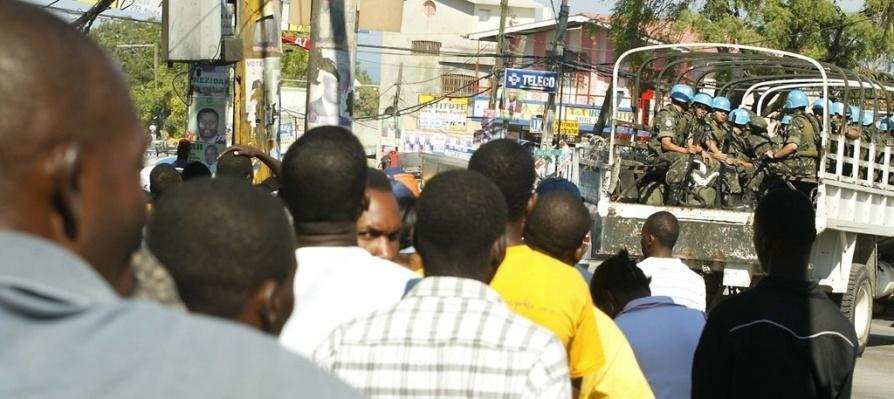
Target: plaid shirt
(448, 338)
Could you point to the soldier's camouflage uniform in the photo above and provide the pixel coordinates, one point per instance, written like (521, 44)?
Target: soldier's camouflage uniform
(801, 163)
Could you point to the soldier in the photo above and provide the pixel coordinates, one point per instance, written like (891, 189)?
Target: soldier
(668, 149)
(720, 126)
(817, 107)
(722, 137)
(745, 145)
(798, 155)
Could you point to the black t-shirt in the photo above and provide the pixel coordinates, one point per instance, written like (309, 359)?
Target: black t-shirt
(782, 339)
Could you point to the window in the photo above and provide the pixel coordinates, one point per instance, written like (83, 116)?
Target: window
(457, 85)
(429, 8)
(483, 16)
(427, 46)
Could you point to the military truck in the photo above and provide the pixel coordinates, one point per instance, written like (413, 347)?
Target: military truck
(853, 189)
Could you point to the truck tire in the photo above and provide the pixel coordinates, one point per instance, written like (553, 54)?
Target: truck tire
(856, 304)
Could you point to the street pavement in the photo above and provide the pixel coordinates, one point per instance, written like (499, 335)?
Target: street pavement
(874, 376)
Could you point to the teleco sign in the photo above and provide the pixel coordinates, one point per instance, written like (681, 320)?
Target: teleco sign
(530, 80)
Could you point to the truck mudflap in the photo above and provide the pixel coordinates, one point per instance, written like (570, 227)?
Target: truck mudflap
(710, 243)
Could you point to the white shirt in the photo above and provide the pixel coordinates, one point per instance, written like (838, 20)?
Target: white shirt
(448, 338)
(663, 336)
(672, 278)
(334, 285)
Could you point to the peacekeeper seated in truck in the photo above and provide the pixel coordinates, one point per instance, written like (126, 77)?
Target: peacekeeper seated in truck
(677, 138)
(744, 146)
(797, 157)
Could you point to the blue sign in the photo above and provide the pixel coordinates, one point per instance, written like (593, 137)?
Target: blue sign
(530, 80)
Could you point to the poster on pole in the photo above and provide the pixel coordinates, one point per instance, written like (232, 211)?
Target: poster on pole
(210, 80)
(207, 154)
(207, 119)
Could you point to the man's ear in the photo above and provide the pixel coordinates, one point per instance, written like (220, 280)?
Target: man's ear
(63, 167)
(531, 202)
(497, 254)
(364, 201)
(271, 321)
(579, 253)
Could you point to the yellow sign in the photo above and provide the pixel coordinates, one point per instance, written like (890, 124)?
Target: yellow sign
(568, 128)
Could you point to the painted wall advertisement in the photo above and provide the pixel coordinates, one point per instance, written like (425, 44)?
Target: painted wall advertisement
(447, 114)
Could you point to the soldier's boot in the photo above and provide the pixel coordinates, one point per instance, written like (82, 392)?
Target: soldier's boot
(747, 201)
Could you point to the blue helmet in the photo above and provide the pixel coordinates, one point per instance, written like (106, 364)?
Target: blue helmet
(837, 109)
(795, 99)
(682, 93)
(740, 117)
(866, 118)
(786, 119)
(854, 113)
(819, 104)
(703, 99)
(721, 103)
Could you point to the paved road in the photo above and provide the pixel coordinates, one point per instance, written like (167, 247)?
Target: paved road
(874, 376)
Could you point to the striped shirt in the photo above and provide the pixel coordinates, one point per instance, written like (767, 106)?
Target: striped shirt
(448, 338)
(672, 278)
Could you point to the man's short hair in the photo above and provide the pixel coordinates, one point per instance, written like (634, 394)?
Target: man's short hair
(162, 178)
(377, 180)
(511, 168)
(787, 217)
(220, 239)
(195, 170)
(233, 165)
(324, 176)
(664, 226)
(558, 223)
(184, 147)
(618, 273)
(460, 215)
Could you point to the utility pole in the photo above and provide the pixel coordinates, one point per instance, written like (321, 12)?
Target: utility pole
(396, 104)
(549, 117)
(330, 69)
(497, 72)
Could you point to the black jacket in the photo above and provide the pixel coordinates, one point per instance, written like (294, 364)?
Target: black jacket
(782, 339)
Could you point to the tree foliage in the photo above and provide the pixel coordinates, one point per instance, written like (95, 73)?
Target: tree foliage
(366, 103)
(816, 28)
(294, 61)
(162, 102)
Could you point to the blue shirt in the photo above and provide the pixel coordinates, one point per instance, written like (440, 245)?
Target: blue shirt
(663, 336)
(66, 334)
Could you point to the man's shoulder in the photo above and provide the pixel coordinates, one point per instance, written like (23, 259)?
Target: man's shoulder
(530, 262)
(174, 352)
(351, 260)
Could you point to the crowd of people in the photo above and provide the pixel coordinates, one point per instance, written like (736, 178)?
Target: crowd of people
(338, 281)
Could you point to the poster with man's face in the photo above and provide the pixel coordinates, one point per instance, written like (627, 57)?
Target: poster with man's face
(207, 119)
(206, 153)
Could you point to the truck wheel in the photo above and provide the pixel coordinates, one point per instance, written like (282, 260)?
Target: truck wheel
(856, 304)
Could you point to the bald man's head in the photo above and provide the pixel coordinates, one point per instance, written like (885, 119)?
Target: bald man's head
(60, 97)
(557, 226)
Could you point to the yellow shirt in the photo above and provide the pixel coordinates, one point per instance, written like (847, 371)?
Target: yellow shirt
(621, 376)
(554, 296)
